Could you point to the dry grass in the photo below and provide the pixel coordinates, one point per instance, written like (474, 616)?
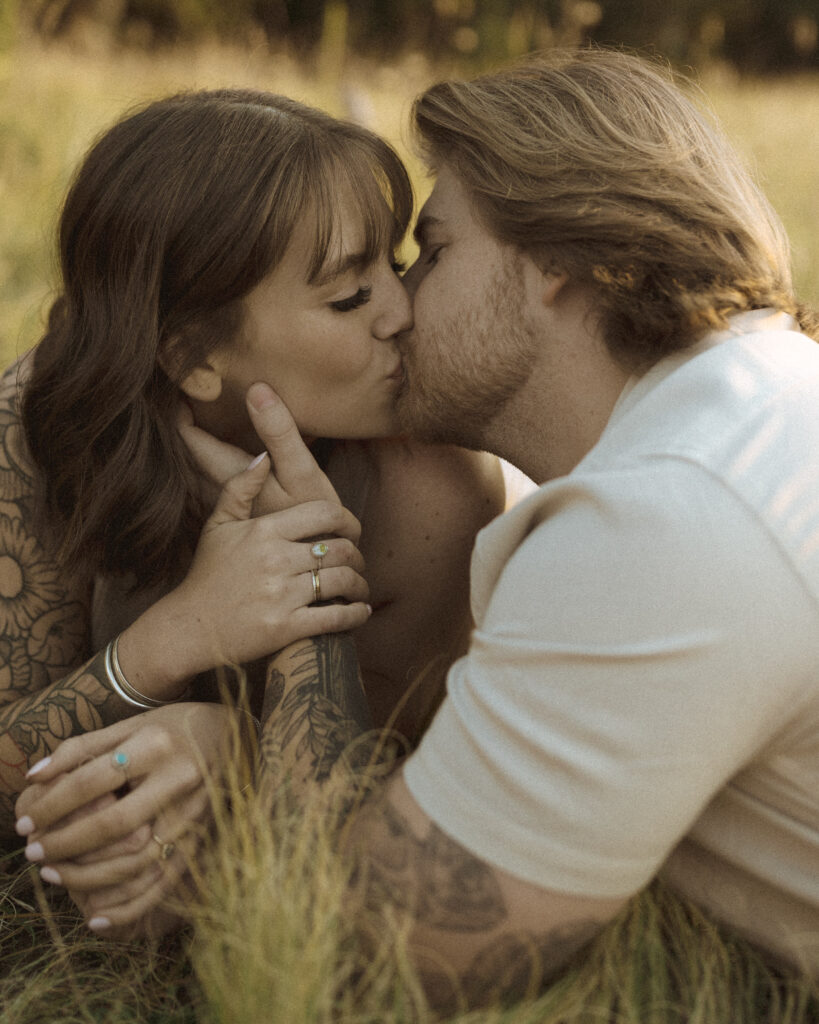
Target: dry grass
(272, 943)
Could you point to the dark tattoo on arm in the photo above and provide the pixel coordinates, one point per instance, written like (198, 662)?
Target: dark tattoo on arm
(445, 887)
(314, 706)
(44, 630)
(34, 725)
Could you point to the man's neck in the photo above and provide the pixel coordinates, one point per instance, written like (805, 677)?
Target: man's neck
(560, 414)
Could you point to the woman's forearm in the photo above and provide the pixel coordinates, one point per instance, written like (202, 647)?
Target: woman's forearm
(32, 726)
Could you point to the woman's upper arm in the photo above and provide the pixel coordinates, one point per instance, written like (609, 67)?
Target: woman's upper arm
(43, 610)
(428, 504)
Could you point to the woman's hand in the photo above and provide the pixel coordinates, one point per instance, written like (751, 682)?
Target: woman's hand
(120, 857)
(296, 476)
(250, 588)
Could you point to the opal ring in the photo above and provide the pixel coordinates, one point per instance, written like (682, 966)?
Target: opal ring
(318, 551)
(166, 850)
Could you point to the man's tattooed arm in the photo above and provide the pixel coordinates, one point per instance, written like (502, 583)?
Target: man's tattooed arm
(314, 708)
(477, 936)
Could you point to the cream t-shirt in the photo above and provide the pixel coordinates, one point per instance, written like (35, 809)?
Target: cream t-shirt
(642, 688)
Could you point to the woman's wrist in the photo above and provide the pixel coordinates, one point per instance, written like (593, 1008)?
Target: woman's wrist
(154, 657)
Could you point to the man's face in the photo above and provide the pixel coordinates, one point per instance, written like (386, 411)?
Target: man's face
(472, 347)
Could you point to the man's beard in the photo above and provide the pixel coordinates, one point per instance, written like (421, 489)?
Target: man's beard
(466, 371)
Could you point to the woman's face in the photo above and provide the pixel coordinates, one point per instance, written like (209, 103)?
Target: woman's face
(327, 348)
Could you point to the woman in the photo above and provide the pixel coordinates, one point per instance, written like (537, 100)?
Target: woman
(210, 242)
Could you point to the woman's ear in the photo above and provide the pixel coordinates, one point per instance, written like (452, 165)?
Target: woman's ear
(203, 382)
(552, 284)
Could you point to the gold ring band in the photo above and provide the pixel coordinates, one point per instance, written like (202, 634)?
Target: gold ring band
(316, 584)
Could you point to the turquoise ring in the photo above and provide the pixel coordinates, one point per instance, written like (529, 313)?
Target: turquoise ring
(120, 760)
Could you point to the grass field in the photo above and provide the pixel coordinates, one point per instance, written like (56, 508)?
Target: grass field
(272, 943)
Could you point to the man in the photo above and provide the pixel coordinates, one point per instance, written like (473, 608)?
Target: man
(602, 297)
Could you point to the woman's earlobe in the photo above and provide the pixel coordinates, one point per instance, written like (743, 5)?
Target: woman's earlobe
(203, 383)
(552, 285)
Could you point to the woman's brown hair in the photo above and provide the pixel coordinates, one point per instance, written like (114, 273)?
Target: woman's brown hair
(595, 163)
(177, 212)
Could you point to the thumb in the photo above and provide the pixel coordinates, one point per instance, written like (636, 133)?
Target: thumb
(235, 501)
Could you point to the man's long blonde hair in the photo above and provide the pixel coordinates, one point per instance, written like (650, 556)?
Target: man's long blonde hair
(594, 162)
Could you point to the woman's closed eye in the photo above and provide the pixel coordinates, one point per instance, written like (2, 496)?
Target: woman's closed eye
(431, 254)
(360, 297)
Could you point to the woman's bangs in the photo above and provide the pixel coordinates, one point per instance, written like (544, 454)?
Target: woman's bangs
(379, 197)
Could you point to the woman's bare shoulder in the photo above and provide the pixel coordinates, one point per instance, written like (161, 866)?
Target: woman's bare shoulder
(438, 488)
(441, 479)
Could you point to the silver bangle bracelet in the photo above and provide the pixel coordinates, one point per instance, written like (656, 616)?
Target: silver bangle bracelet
(120, 685)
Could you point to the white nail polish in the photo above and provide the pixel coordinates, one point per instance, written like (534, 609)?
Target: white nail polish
(42, 763)
(257, 460)
(99, 924)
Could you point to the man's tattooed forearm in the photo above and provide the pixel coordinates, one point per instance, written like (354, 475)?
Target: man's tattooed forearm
(314, 705)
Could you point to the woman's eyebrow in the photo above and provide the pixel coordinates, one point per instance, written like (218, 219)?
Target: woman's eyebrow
(336, 268)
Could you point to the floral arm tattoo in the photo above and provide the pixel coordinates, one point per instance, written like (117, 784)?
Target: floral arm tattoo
(314, 708)
(44, 625)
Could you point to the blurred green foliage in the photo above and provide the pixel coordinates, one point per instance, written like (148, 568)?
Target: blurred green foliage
(753, 35)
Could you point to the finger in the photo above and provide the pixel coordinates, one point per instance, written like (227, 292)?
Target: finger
(108, 897)
(314, 519)
(296, 470)
(338, 552)
(142, 804)
(176, 833)
(108, 920)
(235, 501)
(332, 584)
(218, 459)
(71, 753)
(57, 803)
(315, 620)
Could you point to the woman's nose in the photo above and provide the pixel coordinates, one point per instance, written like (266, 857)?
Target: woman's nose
(396, 315)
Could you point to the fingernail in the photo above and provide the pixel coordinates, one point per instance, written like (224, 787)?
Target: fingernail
(369, 608)
(99, 924)
(260, 396)
(38, 767)
(24, 826)
(35, 851)
(257, 460)
(51, 875)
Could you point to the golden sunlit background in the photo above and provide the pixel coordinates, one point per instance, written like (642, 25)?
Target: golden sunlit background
(68, 68)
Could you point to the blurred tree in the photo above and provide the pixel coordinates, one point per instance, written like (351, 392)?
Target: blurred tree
(9, 23)
(754, 35)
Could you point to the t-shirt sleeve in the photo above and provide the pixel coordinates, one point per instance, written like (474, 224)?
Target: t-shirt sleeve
(644, 642)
